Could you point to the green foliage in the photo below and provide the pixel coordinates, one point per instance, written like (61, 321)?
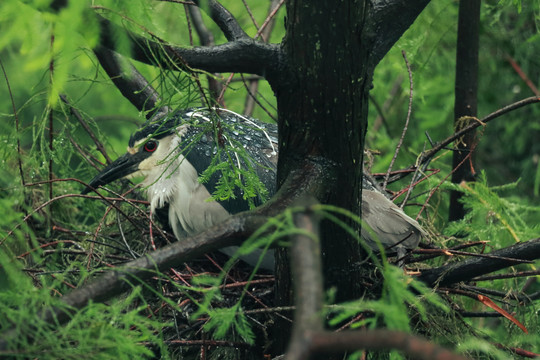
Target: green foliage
(503, 221)
(118, 330)
(223, 320)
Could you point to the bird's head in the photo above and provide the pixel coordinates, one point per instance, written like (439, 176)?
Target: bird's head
(148, 150)
(172, 152)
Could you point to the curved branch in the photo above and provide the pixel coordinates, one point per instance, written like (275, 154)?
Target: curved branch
(224, 19)
(441, 144)
(385, 33)
(242, 55)
(425, 158)
(129, 82)
(470, 268)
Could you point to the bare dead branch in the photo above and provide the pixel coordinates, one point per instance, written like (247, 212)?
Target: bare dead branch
(522, 74)
(507, 276)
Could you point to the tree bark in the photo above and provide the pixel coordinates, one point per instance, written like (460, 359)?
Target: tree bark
(323, 113)
(329, 53)
(465, 98)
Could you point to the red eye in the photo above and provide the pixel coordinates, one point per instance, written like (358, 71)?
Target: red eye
(150, 146)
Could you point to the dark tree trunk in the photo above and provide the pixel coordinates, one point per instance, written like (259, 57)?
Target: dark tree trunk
(466, 98)
(327, 60)
(323, 114)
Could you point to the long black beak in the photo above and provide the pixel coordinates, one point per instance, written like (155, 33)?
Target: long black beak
(123, 166)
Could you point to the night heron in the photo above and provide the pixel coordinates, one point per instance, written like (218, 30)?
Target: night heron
(174, 152)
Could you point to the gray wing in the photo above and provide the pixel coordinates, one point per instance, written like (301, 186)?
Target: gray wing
(389, 223)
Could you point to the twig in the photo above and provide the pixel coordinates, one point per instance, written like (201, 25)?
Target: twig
(255, 100)
(206, 39)
(19, 157)
(250, 13)
(443, 181)
(47, 203)
(507, 276)
(51, 129)
(87, 128)
(392, 95)
(409, 110)
(269, 20)
(264, 32)
(500, 294)
(522, 75)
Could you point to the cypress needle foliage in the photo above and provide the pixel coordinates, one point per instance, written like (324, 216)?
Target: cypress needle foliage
(491, 216)
(118, 330)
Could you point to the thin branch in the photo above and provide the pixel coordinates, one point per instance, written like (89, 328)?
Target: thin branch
(507, 276)
(522, 75)
(501, 294)
(250, 13)
(268, 24)
(471, 268)
(248, 110)
(264, 32)
(207, 39)
(19, 157)
(482, 122)
(60, 197)
(405, 127)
